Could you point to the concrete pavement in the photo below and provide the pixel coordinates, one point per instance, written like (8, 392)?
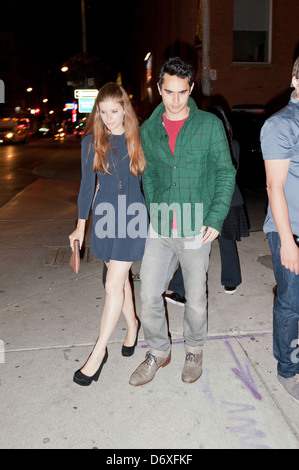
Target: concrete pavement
(49, 321)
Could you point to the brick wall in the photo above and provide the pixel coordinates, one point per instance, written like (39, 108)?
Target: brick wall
(266, 84)
(167, 28)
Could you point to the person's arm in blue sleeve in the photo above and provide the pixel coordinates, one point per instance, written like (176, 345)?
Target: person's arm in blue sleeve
(86, 192)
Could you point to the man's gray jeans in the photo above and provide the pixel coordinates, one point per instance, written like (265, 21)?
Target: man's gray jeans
(158, 266)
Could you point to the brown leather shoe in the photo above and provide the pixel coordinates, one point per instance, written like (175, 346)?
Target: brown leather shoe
(192, 368)
(148, 368)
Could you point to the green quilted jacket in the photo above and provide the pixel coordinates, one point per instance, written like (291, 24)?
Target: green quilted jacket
(197, 181)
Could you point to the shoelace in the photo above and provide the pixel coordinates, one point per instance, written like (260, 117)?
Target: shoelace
(190, 357)
(150, 358)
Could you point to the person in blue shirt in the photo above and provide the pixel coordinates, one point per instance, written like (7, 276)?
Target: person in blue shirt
(280, 147)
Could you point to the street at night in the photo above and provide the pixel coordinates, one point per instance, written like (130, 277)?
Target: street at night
(21, 165)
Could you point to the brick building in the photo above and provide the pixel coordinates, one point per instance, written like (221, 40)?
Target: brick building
(242, 50)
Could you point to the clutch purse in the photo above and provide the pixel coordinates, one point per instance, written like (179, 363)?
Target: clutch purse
(75, 257)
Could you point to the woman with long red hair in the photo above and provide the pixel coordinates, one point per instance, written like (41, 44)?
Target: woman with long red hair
(112, 162)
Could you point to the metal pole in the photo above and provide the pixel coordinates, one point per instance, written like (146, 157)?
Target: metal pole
(206, 83)
(84, 42)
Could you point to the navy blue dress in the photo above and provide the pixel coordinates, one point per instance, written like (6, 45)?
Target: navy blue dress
(120, 219)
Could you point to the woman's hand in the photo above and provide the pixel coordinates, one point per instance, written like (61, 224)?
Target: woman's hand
(78, 234)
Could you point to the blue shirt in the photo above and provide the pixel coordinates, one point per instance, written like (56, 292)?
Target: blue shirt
(279, 141)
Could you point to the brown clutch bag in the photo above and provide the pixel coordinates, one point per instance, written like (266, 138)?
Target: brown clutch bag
(75, 258)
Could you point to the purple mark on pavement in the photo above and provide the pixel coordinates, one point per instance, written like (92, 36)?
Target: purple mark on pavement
(204, 385)
(252, 335)
(245, 426)
(215, 338)
(244, 374)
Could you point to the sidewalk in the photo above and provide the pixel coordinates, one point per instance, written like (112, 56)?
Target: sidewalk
(50, 319)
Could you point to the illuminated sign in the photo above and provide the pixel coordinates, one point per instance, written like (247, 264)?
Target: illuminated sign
(2, 91)
(149, 66)
(86, 104)
(86, 99)
(89, 93)
(69, 106)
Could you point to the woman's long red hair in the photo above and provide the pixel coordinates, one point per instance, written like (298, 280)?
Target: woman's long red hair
(95, 125)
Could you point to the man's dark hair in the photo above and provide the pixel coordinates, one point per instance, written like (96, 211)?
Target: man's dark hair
(296, 68)
(176, 66)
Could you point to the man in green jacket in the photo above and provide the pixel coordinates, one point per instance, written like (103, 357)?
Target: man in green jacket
(188, 185)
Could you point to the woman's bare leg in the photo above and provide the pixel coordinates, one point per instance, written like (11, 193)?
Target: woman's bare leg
(130, 314)
(117, 274)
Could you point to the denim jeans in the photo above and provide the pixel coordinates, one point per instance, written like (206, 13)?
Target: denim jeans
(158, 265)
(285, 313)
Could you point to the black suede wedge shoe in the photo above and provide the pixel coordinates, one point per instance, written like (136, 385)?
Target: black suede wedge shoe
(85, 380)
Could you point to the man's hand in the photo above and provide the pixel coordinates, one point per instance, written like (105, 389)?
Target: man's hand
(289, 255)
(209, 235)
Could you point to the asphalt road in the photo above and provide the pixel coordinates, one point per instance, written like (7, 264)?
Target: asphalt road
(22, 164)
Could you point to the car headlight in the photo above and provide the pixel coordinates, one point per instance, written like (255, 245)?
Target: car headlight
(9, 135)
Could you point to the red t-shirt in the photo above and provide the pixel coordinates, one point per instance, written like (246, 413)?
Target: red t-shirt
(173, 128)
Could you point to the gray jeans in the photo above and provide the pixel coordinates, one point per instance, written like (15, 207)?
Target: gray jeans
(158, 265)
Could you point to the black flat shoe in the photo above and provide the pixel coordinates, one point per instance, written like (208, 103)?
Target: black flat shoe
(129, 350)
(85, 380)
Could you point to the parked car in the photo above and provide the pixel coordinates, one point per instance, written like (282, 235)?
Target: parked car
(14, 130)
(247, 121)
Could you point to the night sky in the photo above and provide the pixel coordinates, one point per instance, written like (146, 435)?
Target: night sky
(54, 29)
(47, 34)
